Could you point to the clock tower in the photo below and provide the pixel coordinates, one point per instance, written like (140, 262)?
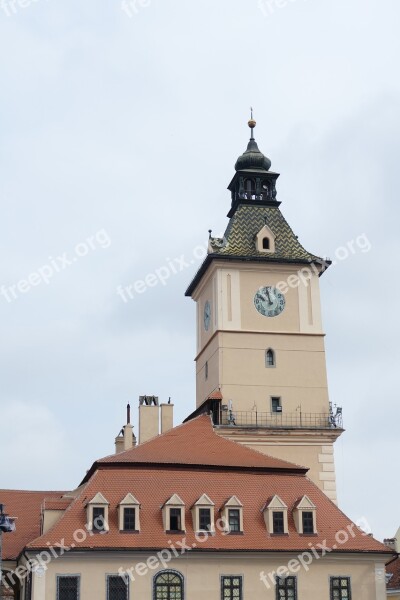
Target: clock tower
(260, 359)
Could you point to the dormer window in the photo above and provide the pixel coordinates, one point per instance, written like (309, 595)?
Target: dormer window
(305, 516)
(276, 516)
(175, 519)
(308, 521)
(174, 515)
(203, 515)
(128, 514)
(265, 240)
(232, 515)
(234, 520)
(97, 514)
(98, 518)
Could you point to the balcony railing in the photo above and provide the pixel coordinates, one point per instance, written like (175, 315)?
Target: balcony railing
(280, 420)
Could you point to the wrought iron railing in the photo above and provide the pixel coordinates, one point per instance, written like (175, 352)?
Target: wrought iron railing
(280, 420)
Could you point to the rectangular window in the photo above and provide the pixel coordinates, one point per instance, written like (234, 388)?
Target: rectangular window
(234, 519)
(231, 588)
(340, 588)
(98, 518)
(286, 588)
(129, 519)
(175, 519)
(204, 519)
(308, 522)
(68, 587)
(117, 588)
(278, 522)
(276, 405)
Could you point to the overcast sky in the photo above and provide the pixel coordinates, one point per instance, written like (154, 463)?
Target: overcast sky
(120, 128)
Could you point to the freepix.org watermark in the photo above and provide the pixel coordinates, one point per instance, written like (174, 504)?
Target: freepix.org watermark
(46, 272)
(268, 7)
(11, 7)
(133, 7)
(304, 560)
(162, 274)
(319, 265)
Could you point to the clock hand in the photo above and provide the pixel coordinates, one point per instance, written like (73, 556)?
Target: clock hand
(269, 297)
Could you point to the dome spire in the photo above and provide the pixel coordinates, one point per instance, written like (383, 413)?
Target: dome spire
(252, 158)
(252, 123)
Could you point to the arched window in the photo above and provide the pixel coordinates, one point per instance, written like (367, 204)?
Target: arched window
(168, 585)
(265, 243)
(270, 358)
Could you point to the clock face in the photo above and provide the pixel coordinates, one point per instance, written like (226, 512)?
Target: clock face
(207, 315)
(269, 301)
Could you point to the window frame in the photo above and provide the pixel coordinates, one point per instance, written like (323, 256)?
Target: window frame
(281, 584)
(115, 575)
(124, 528)
(95, 527)
(274, 405)
(235, 510)
(266, 243)
(180, 518)
(231, 587)
(208, 509)
(331, 587)
(309, 515)
(77, 576)
(270, 365)
(281, 522)
(169, 572)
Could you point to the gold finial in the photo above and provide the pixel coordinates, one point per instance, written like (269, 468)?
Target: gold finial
(252, 123)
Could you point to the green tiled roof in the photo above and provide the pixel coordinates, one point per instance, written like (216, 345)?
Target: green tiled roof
(240, 236)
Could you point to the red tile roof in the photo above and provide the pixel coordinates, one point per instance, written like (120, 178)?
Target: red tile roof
(195, 443)
(394, 570)
(26, 506)
(192, 460)
(215, 395)
(56, 503)
(152, 489)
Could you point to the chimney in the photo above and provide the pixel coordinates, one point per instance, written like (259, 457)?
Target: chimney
(391, 543)
(149, 418)
(126, 438)
(167, 416)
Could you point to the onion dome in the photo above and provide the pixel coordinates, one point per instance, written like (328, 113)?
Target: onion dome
(252, 159)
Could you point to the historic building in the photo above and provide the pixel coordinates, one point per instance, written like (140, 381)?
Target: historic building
(238, 502)
(260, 360)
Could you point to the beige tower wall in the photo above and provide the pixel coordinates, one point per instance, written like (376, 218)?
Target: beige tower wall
(234, 351)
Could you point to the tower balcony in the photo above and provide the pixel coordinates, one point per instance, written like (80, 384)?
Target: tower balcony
(278, 420)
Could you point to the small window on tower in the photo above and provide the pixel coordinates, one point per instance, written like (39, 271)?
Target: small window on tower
(206, 370)
(270, 358)
(265, 243)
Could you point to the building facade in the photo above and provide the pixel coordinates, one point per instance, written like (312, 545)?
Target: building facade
(238, 502)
